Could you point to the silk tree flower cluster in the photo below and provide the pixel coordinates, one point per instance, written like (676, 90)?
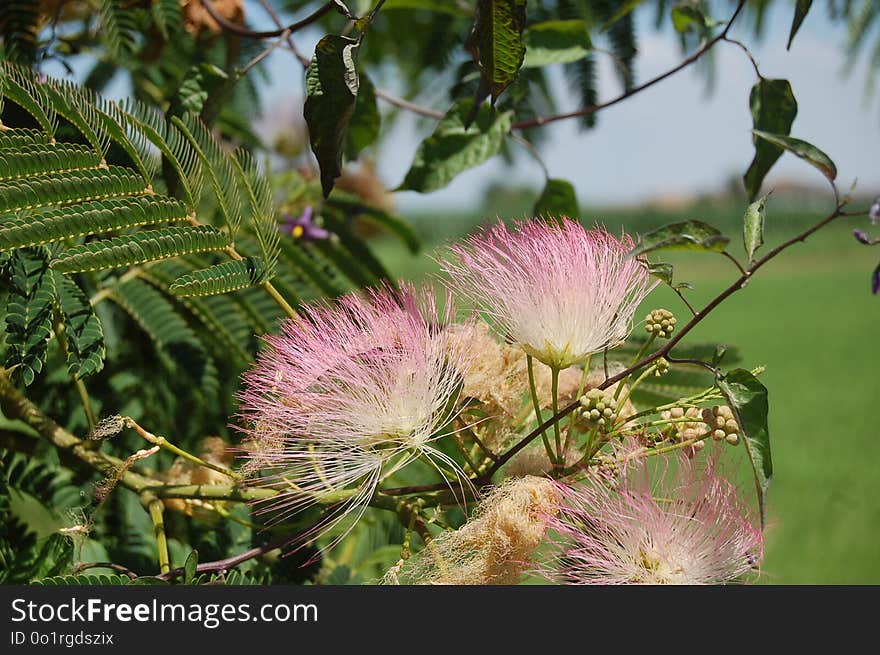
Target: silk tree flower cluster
(388, 399)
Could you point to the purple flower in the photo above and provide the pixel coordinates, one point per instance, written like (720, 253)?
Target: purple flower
(875, 281)
(874, 211)
(304, 227)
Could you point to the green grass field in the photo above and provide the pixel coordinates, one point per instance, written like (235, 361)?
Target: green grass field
(810, 318)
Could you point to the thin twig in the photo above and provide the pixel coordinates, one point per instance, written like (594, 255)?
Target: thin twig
(409, 106)
(735, 262)
(586, 111)
(79, 568)
(238, 30)
(265, 53)
(748, 54)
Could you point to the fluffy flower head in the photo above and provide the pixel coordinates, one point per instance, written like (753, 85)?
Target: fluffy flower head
(689, 528)
(348, 392)
(558, 290)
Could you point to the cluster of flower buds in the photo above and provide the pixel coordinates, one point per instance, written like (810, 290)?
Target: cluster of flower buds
(687, 430)
(600, 408)
(721, 421)
(661, 367)
(660, 323)
(717, 422)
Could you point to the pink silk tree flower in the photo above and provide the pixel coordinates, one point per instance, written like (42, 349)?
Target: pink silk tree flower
(558, 290)
(687, 527)
(349, 394)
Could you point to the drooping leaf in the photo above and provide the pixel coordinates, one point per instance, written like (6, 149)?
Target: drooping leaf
(753, 227)
(363, 130)
(556, 42)
(686, 235)
(801, 10)
(82, 328)
(453, 148)
(806, 151)
(29, 307)
(557, 199)
(331, 95)
(747, 398)
(496, 42)
(773, 108)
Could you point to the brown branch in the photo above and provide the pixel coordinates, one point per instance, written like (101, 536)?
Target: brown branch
(409, 106)
(238, 30)
(586, 111)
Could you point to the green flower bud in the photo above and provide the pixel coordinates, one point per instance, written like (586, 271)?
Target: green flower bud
(600, 408)
(661, 367)
(660, 323)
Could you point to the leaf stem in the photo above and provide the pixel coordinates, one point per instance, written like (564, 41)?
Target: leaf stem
(533, 391)
(156, 508)
(554, 394)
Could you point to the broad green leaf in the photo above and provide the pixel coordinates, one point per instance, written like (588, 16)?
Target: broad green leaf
(452, 148)
(497, 42)
(747, 398)
(29, 306)
(331, 95)
(801, 10)
(687, 235)
(753, 227)
(556, 42)
(363, 130)
(773, 110)
(82, 328)
(686, 17)
(557, 199)
(662, 271)
(189, 567)
(806, 151)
